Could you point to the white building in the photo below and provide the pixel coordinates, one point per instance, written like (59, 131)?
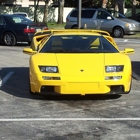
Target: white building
(27, 6)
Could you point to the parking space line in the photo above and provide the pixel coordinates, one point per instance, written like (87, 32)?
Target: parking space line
(3, 81)
(69, 119)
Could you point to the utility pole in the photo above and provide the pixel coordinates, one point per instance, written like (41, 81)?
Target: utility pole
(79, 13)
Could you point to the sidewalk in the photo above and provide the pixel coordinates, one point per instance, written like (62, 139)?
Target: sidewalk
(131, 37)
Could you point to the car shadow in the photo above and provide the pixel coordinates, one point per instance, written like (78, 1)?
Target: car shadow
(17, 45)
(17, 84)
(136, 70)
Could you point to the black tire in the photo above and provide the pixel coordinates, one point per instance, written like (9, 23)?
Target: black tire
(118, 32)
(130, 88)
(74, 27)
(9, 39)
(29, 42)
(30, 87)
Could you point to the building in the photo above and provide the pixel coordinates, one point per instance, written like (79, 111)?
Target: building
(11, 6)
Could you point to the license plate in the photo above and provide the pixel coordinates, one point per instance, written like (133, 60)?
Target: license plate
(38, 30)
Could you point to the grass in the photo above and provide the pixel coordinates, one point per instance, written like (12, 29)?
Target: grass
(53, 25)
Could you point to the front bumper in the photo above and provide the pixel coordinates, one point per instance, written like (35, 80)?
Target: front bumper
(131, 31)
(99, 86)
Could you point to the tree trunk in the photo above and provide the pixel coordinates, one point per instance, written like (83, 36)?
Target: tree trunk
(60, 11)
(134, 2)
(35, 11)
(104, 2)
(45, 18)
(116, 8)
(121, 6)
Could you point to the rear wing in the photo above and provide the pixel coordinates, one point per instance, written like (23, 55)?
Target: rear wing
(40, 36)
(43, 32)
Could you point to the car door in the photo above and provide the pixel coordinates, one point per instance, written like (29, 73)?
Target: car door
(87, 19)
(105, 21)
(2, 25)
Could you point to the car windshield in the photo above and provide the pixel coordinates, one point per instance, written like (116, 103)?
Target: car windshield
(24, 15)
(19, 19)
(116, 14)
(78, 44)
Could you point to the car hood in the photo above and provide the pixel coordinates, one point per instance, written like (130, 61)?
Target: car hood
(79, 64)
(129, 20)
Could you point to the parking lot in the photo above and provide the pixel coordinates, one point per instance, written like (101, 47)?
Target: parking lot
(70, 117)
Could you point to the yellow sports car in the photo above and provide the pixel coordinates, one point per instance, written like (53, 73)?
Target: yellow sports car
(78, 61)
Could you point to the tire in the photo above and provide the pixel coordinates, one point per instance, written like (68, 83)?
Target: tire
(9, 39)
(118, 32)
(74, 27)
(29, 42)
(30, 91)
(130, 88)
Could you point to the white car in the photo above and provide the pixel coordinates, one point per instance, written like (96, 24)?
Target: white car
(21, 14)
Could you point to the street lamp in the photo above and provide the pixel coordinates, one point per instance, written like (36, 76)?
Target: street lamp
(79, 14)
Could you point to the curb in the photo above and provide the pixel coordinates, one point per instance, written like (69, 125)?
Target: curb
(131, 37)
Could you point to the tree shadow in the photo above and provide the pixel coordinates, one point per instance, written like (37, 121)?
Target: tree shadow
(18, 85)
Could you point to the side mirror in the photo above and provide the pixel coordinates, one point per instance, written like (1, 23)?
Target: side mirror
(29, 51)
(109, 18)
(128, 51)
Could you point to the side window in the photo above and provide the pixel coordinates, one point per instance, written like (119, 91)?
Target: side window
(74, 13)
(102, 15)
(1, 21)
(87, 13)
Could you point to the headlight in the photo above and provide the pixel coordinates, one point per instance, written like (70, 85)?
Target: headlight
(118, 68)
(49, 69)
(130, 25)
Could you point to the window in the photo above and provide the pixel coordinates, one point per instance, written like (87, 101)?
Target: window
(102, 15)
(78, 44)
(1, 21)
(74, 13)
(88, 13)
(85, 13)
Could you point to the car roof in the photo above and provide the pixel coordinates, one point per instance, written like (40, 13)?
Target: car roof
(9, 15)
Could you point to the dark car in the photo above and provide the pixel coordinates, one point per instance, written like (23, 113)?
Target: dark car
(16, 28)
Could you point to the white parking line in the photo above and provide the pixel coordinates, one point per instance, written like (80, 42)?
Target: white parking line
(69, 119)
(125, 40)
(2, 81)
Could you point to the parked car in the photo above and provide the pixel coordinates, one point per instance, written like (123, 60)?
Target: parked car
(16, 28)
(101, 19)
(78, 62)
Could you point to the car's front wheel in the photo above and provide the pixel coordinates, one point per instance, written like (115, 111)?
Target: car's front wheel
(118, 32)
(74, 27)
(9, 39)
(30, 91)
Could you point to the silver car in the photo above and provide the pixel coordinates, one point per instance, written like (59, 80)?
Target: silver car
(92, 18)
